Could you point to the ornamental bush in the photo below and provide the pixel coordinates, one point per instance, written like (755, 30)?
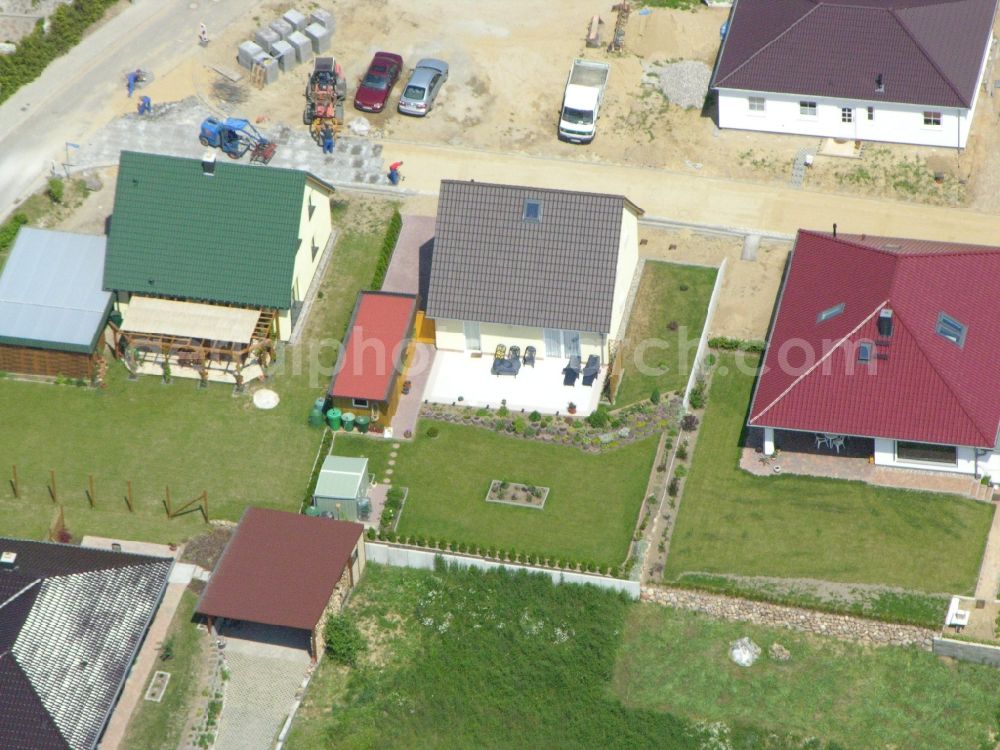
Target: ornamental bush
(344, 642)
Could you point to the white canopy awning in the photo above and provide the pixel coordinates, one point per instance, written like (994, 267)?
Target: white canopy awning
(190, 320)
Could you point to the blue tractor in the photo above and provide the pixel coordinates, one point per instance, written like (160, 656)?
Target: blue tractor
(235, 137)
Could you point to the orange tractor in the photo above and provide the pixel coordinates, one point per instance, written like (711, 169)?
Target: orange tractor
(325, 95)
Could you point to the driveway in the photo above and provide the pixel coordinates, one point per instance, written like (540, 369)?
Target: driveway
(267, 666)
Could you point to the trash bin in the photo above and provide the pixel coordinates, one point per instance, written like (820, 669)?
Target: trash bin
(312, 510)
(333, 419)
(316, 417)
(319, 403)
(348, 419)
(362, 423)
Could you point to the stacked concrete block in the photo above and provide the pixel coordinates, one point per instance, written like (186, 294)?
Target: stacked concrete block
(324, 18)
(296, 19)
(282, 27)
(266, 37)
(302, 45)
(284, 53)
(270, 66)
(319, 36)
(246, 53)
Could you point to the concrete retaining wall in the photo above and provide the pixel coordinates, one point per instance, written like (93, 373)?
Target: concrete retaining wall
(699, 357)
(421, 559)
(978, 653)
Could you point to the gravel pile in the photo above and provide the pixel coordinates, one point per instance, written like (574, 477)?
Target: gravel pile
(684, 83)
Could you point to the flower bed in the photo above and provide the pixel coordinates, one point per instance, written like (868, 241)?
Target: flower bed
(515, 493)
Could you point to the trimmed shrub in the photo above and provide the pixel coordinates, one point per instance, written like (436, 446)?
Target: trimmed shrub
(682, 450)
(681, 471)
(736, 345)
(534, 417)
(344, 642)
(655, 396)
(599, 417)
(697, 396)
(674, 487)
(689, 423)
(433, 432)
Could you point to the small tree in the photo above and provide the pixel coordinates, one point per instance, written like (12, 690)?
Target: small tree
(655, 396)
(56, 190)
(344, 642)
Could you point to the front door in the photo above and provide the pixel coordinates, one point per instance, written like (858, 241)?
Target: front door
(571, 342)
(472, 342)
(553, 343)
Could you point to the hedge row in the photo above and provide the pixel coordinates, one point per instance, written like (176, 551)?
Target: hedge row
(499, 554)
(36, 50)
(9, 230)
(388, 245)
(736, 345)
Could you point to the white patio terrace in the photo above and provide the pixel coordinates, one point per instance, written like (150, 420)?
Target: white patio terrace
(459, 374)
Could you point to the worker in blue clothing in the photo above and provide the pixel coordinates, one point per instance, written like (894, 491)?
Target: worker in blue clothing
(145, 105)
(132, 79)
(327, 139)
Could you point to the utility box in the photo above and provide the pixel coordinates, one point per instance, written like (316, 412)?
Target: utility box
(246, 53)
(319, 37)
(302, 45)
(296, 19)
(270, 66)
(266, 37)
(282, 27)
(325, 19)
(284, 53)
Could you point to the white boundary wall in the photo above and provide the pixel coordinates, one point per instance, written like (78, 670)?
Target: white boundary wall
(421, 559)
(699, 357)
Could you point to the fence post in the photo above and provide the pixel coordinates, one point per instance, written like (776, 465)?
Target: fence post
(13, 481)
(52, 488)
(205, 496)
(170, 510)
(128, 496)
(90, 493)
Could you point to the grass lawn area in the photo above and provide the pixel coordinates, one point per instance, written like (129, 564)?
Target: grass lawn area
(659, 302)
(678, 662)
(809, 527)
(179, 435)
(158, 726)
(589, 514)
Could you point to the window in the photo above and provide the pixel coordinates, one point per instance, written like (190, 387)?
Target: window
(532, 211)
(756, 103)
(927, 453)
(354, 554)
(865, 351)
(871, 113)
(932, 118)
(830, 312)
(951, 329)
(359, 403)
(807, 108)
(846, 114)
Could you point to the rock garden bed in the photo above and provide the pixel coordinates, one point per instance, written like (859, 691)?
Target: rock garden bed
(515, 493)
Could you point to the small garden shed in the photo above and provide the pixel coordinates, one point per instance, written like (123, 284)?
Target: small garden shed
(343, 488)
(53, 310)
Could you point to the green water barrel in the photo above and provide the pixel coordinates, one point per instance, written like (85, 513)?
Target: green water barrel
(362, 423)
(348, 418)
(319, 403)
(333, 418)
(312, 510)
(316, 418)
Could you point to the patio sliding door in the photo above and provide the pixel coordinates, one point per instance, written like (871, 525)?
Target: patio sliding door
(571, 343)
(473, 343)
(553, 343)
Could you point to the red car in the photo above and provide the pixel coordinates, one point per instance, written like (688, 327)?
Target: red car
(374, 89)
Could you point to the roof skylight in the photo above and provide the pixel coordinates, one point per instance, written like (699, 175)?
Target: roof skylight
(951, 329)
(532, 210)
(830, 312)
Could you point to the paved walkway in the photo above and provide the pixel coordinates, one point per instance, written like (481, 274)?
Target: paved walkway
(989, 569)
(404, 270)
(267, 666)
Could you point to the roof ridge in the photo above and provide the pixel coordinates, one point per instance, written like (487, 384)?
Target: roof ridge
(819, 361)
(946, 381)
(816, 5)
(563, 191)
(863, 244)
(14, 596)
(845, 240)
(927, 56)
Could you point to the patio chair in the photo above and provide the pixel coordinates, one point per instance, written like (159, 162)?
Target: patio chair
(591, 369)
(837, 443)
(500, 352)
(529, 355)
(514, 352)
(822, 440)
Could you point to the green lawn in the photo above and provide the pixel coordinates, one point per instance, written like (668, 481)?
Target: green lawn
(589, 514)
(158, 726)
(178, 435)
(659, 303)
(677, 662)
(808, 527)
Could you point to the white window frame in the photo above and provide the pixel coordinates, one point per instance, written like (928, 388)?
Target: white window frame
(359, 403)
(808, 109)
(932, 119)
(847, 115)
(871, 114)
(756, 105)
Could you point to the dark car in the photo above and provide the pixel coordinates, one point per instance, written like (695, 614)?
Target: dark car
(374, 89)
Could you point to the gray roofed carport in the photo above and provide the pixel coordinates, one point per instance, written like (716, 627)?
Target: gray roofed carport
(50, 291)
(492, 265)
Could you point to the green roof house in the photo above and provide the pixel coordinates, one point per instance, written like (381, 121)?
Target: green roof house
(208, 258)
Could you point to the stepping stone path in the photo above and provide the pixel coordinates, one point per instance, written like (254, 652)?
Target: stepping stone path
(393, 454)
(395, 446)
(392, 462)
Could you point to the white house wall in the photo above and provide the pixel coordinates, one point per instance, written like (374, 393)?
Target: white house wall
(894, 123)
(450, 336)
(885, 455)
(628, 259)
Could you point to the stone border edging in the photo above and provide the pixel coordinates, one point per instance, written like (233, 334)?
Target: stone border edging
(843, 627)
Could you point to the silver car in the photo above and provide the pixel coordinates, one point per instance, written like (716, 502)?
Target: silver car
(420, 91)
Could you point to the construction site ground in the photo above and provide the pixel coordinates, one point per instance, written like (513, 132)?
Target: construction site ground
(509, 62)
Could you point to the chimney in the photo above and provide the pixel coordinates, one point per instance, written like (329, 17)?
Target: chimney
(8, 560)
(879, 83)
(835, 230)
(885, 323)
(208, 163)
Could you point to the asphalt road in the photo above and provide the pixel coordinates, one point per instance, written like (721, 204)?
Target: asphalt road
(71, 98)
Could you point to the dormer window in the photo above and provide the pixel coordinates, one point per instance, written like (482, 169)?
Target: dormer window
(830, 312)
(951, 329)
(532, 211)
(865, 352)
